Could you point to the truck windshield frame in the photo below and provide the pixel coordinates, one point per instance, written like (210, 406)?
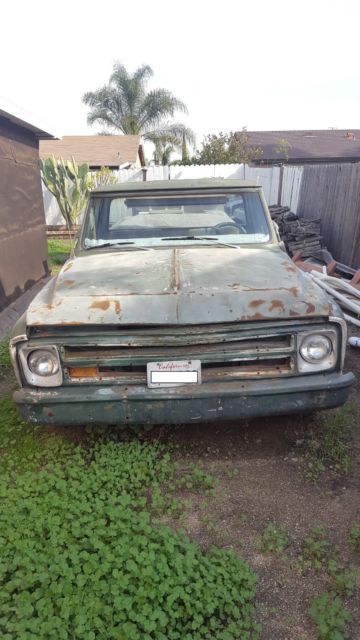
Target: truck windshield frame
(230, 216)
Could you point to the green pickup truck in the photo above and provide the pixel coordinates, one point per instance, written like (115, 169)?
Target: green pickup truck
(178, 305)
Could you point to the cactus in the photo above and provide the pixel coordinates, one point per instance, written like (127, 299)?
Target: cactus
(69, 183)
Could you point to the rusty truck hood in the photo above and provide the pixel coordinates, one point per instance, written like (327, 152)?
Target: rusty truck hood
(187, 285)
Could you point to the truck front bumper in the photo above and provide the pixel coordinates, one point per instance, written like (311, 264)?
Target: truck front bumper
(81, 405)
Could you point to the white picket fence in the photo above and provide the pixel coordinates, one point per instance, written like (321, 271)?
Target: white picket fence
(267, 177)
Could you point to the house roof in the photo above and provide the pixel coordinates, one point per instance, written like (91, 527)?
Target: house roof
(315, 144)
(18, 116)
(96, 151)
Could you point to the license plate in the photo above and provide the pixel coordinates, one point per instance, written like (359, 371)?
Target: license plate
(173, 373)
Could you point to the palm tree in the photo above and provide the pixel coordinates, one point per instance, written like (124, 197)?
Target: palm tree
(171, 138)
(125, 105)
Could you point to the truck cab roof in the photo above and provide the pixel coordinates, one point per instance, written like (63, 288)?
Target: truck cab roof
(207, 184)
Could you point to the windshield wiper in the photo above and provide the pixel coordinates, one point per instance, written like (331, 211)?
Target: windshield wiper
(189, 238)
(211, 238)
(115, 244)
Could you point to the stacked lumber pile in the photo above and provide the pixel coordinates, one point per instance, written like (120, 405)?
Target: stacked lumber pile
(303, 242)
(297, 233)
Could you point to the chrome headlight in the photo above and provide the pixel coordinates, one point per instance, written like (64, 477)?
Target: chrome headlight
(41, 366)
(317, 351)
(43, 362)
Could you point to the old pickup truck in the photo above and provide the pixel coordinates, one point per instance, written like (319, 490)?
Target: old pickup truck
(179, 304)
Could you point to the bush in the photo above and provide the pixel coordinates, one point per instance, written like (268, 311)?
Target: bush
(4, 353)
(354, 537)
(330, 617)
(81, 557)
(274, 539)
(342, 579)
(315, 549)
(58, 251)
(330, 446)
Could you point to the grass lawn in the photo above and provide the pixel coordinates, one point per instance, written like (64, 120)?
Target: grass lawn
(58, 253)
(191, 532)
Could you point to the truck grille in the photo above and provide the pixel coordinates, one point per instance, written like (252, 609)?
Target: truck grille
(226, 353)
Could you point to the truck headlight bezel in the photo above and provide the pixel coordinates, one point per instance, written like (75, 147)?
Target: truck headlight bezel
(31, 367)
(311, 346)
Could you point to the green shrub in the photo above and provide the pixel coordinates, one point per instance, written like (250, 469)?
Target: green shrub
(24, 447)
(329, 446)
(81, 557)
(342, 579)
(315, 549)
(274, 539)
(354, 537)
(4, 353)
(330, 617)
(196, 480)
(58, 251)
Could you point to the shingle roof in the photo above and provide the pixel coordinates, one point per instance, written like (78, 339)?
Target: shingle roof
(18, 116)
(326, 144)
(96, 151)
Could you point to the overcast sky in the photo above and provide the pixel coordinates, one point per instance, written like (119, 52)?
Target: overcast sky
(265, 64)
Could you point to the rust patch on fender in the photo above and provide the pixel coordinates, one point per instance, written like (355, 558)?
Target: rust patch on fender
(100, 304)
(310, 308)
(256, 303)
(293, 313)
(117, 306)
(289, 267)
(68, 283)
(277, 304)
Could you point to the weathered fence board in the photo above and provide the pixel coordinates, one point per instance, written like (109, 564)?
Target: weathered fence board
(275, 187)
(332, 193)
(290, 188)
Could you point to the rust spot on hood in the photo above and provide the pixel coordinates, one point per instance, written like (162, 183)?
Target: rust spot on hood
(256, 303)
(100, 304)
(256, 316)
(294, 291)
(310, 308)
(276, 304)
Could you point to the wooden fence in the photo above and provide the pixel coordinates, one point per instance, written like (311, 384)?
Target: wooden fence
(281, 186)
(332, 193)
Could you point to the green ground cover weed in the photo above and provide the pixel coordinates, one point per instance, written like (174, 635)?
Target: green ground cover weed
(83, 557)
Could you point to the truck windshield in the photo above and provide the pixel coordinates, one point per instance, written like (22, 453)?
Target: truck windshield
(149, 220)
